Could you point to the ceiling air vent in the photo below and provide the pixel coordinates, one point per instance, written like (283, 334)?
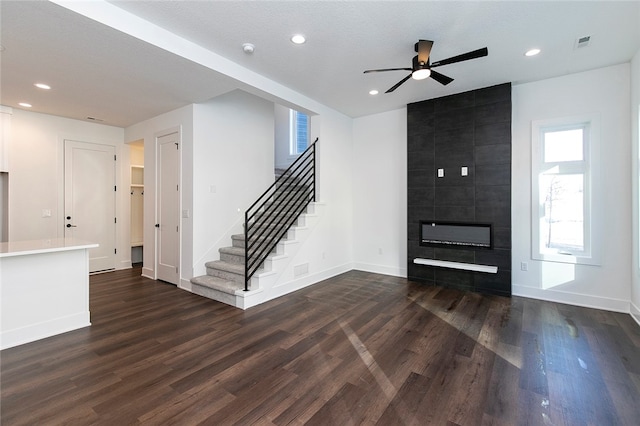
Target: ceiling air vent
(582, 41)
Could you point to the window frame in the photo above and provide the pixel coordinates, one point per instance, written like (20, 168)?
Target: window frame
(293, 133)
(589, 168)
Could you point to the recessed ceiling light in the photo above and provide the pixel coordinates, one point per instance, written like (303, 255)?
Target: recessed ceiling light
(373, 92)
(298, 39)
(532, 52)
(25, 104)
(42, 86)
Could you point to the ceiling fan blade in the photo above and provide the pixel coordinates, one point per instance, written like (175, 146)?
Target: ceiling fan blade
(388, 69)
(398, 84)
(440, 78)
(423, 47)
(464, 57)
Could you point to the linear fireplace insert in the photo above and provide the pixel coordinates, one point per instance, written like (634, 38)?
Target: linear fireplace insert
(456, 234)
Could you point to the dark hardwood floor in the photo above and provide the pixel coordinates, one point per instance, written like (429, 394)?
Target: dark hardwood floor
(357, 349)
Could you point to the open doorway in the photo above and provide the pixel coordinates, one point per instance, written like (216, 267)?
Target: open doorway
(136, 156)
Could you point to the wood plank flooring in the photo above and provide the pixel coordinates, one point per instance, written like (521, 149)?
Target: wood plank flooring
(357, 349)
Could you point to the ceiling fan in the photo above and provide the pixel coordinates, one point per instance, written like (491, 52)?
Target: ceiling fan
(422, 67)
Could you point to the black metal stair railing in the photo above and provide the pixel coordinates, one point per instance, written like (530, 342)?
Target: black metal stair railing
(277, 209)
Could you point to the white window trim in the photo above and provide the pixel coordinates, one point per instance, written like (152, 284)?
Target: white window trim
(592, 193)
(293, 132)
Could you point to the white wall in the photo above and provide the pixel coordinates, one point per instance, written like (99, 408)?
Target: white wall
(282, 136)
(380, 192)
(333, 243)
(232, 167)
(5, 136)
(604, 92)
(327, 247)
(36, 176)
(181, 119)
(635, 178)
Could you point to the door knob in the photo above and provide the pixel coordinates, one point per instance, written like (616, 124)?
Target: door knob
(71, 226)
(157, 225)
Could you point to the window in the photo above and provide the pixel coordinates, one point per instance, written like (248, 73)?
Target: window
(299, 132)
(563, 191)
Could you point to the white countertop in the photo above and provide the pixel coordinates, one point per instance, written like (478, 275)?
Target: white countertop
(50, 245)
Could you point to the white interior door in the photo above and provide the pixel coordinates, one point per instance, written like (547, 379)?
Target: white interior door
(90, 201)
(168, 208)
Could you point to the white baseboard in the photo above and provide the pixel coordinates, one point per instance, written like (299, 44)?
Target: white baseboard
(381, 269)
(597, 302)
(635, 312)
(294, 285)
(148, 273)
(42, 330)
(185, 284)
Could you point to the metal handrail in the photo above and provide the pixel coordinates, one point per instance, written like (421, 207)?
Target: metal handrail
(269, 218)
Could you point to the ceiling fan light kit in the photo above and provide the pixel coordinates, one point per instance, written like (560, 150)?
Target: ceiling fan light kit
(422, 68)
(421, 74)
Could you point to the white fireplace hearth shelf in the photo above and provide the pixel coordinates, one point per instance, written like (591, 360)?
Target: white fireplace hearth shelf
(457, 265)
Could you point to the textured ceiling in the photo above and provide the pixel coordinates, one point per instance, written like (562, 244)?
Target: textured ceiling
(100, 72)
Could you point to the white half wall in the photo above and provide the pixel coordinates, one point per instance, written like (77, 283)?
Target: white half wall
(604, 92)
(380, 192)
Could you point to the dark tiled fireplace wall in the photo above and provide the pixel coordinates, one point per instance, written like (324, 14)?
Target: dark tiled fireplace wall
(473, 130)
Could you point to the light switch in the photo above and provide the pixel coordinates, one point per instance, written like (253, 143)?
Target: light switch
(440, 173)
(464, 171)
(46, 213)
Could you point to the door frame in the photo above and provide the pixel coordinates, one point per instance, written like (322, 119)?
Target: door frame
(156, 209)
(62, 138)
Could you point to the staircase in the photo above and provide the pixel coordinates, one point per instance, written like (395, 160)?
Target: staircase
(271, 224)
(225, 277)
(224, 281)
